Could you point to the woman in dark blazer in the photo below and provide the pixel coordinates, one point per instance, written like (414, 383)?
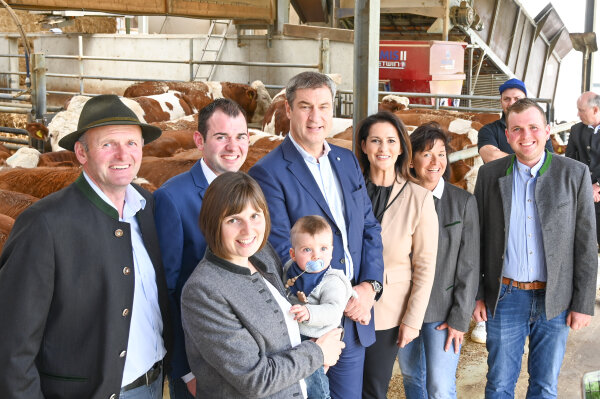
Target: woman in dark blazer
(409, 231)
(240, 338)
(456, 279)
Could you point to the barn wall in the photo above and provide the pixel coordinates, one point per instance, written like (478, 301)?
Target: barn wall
(284, 50)
(173, 47)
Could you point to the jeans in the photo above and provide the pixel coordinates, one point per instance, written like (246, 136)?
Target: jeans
(152, 391)
(317, 385)
(178, 389)
(427, 370)
(522, 313)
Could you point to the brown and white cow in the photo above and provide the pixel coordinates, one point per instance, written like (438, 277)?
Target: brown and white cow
(12, 203)
(6, 224)
(392, 103)
(26, 157)
(201, 94)
(169, 143)
(37, 182)
(156, 108)
(4, 153)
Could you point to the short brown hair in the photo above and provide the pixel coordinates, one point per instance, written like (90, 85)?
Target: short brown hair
(307, 80)
(523, 105)
(227, 195)
(312, 224)
(423, 138)
(225, 105)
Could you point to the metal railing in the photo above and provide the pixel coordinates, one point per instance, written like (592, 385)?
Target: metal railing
(322, 65)
(344, 102)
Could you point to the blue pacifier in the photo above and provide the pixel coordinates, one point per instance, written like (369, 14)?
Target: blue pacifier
(313, 266)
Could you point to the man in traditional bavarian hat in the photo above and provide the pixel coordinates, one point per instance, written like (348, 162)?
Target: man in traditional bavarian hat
(83, 296)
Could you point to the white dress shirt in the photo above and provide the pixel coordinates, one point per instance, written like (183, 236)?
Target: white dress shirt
(331, 189)
(290, 323)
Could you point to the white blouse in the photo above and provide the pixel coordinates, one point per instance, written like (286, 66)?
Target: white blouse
(291, 324)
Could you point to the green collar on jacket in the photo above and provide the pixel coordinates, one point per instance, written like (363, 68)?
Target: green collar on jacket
(543, 169)
(87, 190)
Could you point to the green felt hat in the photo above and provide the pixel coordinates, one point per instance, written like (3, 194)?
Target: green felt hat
(104, 110)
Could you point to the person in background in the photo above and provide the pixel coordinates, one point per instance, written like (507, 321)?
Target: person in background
(241, 339)
(304, 176)
(491, 139)
(409, 232)
(456, 279)
(538, 255)
(83, 296)
(584, 143)
(222, 137)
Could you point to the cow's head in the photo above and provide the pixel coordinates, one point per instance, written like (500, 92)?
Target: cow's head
(37, 131)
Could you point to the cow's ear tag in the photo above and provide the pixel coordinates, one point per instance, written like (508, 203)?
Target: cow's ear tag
(39, 134)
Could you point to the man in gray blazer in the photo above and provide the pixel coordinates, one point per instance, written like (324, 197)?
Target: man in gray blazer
(538, 255)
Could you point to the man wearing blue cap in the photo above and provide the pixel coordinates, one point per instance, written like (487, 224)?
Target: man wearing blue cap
(491, 139)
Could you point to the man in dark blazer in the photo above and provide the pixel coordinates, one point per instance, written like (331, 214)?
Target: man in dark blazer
(538, 255)
(82, 290)
(222, 137)
(307, 176)
(584, 143)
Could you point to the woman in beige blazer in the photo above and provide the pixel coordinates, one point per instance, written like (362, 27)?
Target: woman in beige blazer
(409, 231)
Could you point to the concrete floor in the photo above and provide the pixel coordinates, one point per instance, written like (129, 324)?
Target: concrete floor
(582, 355)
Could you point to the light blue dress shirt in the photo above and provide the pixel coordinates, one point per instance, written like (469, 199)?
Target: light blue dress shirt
(145, 345)
(525, 259)
(332, 192)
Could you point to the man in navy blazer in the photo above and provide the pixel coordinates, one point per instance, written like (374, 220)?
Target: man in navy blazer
(307, 176)
(222, 136)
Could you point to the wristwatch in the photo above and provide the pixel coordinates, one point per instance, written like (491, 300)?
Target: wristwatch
(377, 287)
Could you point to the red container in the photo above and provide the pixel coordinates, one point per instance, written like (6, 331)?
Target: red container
(435, 67)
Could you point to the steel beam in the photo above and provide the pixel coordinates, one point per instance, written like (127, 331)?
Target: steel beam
(366, 59)
(494, 22)
(479, 42)
(283, 15)
(590, 7)
(512, 39)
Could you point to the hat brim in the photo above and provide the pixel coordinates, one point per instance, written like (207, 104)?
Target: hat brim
(149, 133)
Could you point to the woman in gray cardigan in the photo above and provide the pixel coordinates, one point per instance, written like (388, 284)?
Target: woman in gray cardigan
(456, 278)
(241, 340)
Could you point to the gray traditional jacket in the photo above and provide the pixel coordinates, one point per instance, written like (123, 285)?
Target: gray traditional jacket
(565, 206)
(457, 266)
(236, 338)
